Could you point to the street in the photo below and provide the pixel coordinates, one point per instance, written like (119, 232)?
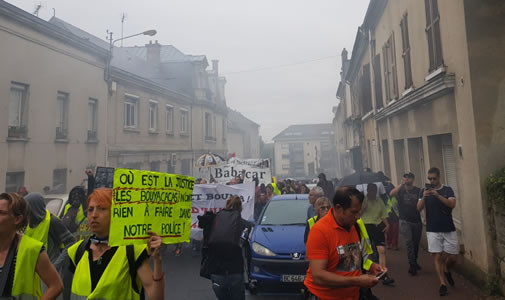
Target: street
(184, 283)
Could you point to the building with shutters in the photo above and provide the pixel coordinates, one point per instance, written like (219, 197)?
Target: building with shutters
(425, 87)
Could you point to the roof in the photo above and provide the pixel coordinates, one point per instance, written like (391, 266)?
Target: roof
(79, 32)
(49, 29)
(236, 117)
(168, 54)
(306, 131)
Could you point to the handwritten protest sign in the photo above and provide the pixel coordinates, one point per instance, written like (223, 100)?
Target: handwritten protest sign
(212, 197)
(150, 201)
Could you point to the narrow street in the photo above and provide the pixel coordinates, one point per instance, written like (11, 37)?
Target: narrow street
(184, 283)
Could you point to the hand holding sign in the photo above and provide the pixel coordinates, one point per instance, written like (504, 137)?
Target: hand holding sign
(154, 245)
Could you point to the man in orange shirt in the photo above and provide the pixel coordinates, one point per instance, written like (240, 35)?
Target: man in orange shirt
(335, 252)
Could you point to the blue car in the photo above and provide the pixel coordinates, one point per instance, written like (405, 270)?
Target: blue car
(277, 252)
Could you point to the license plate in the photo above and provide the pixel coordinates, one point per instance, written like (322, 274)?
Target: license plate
(293, 278)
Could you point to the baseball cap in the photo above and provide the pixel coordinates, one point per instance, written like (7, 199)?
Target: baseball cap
(409, 175)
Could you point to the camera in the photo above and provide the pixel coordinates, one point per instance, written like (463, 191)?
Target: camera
(429, 186)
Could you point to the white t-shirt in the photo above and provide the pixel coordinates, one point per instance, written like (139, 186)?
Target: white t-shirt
(380, 188)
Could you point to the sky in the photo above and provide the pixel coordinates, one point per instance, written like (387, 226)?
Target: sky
(281, 58)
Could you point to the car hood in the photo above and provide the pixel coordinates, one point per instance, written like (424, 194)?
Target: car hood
(281, 239)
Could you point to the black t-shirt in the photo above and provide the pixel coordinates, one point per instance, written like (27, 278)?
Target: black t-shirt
(438, 215)
(407, 204)
(98, 267)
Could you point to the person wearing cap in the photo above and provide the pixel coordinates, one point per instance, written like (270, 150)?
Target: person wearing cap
(410, 219)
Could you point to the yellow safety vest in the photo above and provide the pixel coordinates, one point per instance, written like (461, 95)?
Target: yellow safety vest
(276, 189)
(312, 221)
(115, 282)
(80, 213)
(366, 245)
(393, 206)
(26, 285)
(41, 231)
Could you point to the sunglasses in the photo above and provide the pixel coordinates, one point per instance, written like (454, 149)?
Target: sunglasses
(432, 178)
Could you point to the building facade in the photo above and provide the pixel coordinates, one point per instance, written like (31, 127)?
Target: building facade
(424, 88)
(243, 136)
(53, 97)
(304, 151)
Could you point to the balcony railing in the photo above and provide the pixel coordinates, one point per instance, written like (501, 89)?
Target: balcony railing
(17, 131)
(61, 133)
(91, 135)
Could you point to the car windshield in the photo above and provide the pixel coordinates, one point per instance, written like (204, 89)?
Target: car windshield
(285, 212)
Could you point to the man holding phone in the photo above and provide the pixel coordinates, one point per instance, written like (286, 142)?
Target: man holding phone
(439, 201)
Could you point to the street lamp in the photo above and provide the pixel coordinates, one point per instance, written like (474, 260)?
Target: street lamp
(108, 79)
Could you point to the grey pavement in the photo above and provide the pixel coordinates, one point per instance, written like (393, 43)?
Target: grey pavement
(184, 283)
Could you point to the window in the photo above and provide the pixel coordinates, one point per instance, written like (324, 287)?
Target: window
(153, 115)
(60, 180)
(18, 110)
(285, 167)
(390, 75)
(378, 81)
(169, 114)
(131, 111)
(224, 129)
(62, 118)
(13, 181)
(285, 156)
(284, 146)
(92, 119)
(155, 166)
(365, 90)
(406, 51)
(433, 34)
(185, 166)
(184, 121)
(210, 126)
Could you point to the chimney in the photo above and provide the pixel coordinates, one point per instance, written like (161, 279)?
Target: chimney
(344, 56)
(153, 54)
(215, 66)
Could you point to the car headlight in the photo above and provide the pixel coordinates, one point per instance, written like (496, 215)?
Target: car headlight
(261, 250)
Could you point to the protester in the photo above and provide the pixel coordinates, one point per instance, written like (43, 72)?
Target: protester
(314, 194)
(374, 216)
(23, 191)
(74, 212)
(394, 224)
(304, 189)
(260, 204)
(103, 272)
(410, 220)
(269, 190)
(49, 230)
(337, 250)
(326, 185)
(439, 201)
(322, 206)
(225, 258)
(23, 259)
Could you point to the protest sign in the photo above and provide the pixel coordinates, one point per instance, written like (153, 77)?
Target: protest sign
(212, 197)
(224, 173)
(150, 201)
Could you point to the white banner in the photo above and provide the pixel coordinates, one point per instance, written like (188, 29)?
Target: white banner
(212, 197)
(235, 166)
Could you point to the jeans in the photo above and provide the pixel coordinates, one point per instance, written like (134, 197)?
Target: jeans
(412, 234)
(228, 287)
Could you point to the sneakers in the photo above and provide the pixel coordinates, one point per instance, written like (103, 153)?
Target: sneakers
(449, 278)
(443, 291)
(386, 280)
(413, 270)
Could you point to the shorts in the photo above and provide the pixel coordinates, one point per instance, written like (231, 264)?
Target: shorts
(376, 235)
(442, 242)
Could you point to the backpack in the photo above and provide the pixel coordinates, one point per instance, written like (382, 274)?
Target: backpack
(130, 254)
(227, 228)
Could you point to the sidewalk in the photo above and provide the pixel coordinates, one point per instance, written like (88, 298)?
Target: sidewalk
(425, 285)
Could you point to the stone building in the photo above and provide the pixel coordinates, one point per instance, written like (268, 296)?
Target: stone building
(53, 94)
(243, 136)
(425, 87)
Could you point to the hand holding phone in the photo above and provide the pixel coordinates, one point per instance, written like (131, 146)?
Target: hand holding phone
(379, 276)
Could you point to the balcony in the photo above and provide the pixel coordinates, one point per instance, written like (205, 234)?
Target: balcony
(210, 139)
(91, 135)
(61, 133)
(17, 132)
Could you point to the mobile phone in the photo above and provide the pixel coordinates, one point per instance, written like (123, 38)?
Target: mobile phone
(378, 276)
(429, 186)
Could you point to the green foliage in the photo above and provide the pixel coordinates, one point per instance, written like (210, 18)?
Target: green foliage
(495, 188)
